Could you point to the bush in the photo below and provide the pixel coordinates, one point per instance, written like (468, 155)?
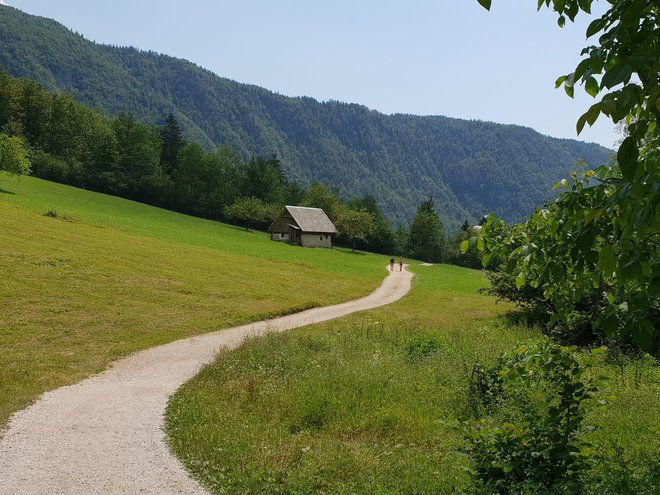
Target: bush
(536, 309)
(50, 168)
(533, 401)
(251, 212)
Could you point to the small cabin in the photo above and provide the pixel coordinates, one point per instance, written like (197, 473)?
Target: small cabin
(308, 227)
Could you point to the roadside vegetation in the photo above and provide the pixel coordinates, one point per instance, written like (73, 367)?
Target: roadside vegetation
(384, 402)
(89, 278)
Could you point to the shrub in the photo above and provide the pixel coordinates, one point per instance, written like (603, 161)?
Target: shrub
(49, 167)
(534, 400)
(536, 309)
(251, 212)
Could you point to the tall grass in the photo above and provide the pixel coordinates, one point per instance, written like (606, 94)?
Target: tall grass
(344, 407)
(368, 404)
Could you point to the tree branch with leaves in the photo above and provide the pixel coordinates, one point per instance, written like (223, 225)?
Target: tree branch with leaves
(601, 236)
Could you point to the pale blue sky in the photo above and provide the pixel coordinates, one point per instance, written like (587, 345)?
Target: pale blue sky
(425, 57)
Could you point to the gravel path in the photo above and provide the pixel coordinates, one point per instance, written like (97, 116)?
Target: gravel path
(104, 435)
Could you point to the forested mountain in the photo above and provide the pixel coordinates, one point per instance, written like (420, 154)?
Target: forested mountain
(468, 167)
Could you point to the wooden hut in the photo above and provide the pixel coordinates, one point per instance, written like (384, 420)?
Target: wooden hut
(308, 227)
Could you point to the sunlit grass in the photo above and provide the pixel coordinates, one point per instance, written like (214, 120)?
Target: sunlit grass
(344, 407)
(102, 277)
(339, 407)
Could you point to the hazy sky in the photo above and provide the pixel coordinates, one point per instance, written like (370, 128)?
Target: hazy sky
(425, 57)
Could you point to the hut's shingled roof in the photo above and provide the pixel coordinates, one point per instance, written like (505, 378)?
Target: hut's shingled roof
(311, 219)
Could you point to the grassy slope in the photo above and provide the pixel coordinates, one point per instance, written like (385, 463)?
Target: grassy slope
(107, 277)
(341, 408)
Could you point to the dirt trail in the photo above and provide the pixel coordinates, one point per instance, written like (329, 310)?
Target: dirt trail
(104, 435)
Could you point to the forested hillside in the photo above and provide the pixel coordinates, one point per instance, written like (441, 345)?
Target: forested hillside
(468, 167)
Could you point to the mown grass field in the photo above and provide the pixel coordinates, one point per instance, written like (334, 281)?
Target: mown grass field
(106, 277)
(345, 407)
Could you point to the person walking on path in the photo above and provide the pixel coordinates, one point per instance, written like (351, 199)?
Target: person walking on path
(391, 264)
(400, 264)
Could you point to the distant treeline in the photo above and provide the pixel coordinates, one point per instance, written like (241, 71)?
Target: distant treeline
(70, 143)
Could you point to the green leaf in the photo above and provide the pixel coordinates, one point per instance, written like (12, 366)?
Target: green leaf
(585, 5)
(581, 69)
(592, 113)
(591, 86)
(631, 15)
(607, 261)
(642, 333)
(627, 158)
(654, 287)
(580, 123)
(586, 239)
(556, 271)
(464, 246)
(486, 259)
(632, 271)
(560, 80)
(595, 26)
(561, 21)
(520, 280)
(591, 215)
(644, 216)
(618, 74)
(610, 326)
(569, 90)
(485, 3)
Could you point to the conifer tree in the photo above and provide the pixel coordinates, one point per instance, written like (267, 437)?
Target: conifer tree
(172, 139)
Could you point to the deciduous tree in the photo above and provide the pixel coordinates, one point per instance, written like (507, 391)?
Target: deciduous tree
(251, 212)
(13, 155)
(603, 234)
(356, 225)
(320, 196)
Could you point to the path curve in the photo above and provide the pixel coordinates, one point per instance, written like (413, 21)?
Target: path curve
(105, 435)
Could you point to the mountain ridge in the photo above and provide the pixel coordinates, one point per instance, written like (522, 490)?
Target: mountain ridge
(469, 167)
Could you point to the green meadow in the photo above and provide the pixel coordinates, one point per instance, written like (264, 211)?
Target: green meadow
(342, 407)
(89, 278)
(348, 406)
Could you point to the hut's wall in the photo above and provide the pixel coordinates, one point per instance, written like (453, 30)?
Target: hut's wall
(281, 226)
(316, 240)
(279, 237)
